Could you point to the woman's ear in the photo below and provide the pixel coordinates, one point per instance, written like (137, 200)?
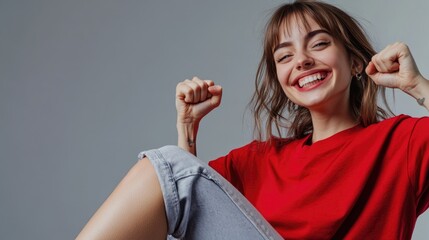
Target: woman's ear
(357, 66)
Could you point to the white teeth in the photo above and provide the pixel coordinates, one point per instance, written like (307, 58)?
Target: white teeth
(311, 78)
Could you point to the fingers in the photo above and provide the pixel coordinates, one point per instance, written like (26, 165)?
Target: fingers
(394, 67)
(388, 60)
(195, 90)
(216, 92)
(370, 69)
(196, 98)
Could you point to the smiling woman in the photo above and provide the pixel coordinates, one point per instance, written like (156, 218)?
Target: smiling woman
(320, 31)
(344, 170)
(311, 56)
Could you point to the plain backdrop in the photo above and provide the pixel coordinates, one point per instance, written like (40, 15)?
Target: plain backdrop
(87, 84)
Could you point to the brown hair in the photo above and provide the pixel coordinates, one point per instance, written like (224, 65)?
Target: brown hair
(270, 104)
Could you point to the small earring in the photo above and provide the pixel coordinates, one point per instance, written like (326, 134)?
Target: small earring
(358, 76)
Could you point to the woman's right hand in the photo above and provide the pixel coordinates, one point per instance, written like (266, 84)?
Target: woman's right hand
(195, 98)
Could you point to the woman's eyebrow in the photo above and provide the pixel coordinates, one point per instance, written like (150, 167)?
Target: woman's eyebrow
(307, 37)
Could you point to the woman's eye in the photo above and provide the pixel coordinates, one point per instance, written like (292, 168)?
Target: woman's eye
(283, 58)
(321, 44)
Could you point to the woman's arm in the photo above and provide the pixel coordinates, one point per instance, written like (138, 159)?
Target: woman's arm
(420, 92)
(395, 67)
(135, 209)
(194, 99)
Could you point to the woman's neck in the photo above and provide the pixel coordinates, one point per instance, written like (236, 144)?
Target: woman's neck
(324, 127)
(329, 122)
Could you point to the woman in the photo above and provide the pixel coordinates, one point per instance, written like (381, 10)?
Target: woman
(344, 170)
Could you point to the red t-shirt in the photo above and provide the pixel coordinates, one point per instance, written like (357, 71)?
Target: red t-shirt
(360, 183)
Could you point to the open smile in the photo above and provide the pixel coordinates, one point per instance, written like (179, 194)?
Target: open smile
(312, 79)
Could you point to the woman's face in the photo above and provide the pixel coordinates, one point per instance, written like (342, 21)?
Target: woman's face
(313, 68)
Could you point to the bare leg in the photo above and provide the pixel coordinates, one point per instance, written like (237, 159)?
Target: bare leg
(135, 209)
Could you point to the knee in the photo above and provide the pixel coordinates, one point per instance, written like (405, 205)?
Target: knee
(142, 169)
(174, 149)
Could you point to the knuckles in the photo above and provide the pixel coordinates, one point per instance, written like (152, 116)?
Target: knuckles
(196, 84)
(194, 90)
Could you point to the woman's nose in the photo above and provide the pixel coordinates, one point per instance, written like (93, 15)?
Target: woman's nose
(304, 61)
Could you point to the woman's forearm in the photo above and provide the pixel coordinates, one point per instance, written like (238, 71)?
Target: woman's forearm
(421, 92)
(187, 136)
(194, 99)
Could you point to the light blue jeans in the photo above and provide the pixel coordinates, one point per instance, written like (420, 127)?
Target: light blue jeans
(200, 203)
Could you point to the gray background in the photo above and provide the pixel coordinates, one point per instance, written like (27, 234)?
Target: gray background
(85, 85)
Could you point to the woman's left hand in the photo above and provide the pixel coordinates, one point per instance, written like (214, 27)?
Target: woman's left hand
(394, 67)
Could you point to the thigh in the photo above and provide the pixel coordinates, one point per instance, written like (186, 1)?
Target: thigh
(201, 204)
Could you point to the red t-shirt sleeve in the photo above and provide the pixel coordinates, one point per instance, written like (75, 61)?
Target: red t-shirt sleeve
(418, 162)
(226, 166)
(237, 164)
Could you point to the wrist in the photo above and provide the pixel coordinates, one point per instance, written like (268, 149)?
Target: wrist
(420, 91)
(187, 127)
(187, 135)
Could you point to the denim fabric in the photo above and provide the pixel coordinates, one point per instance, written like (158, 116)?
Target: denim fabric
(200, 203)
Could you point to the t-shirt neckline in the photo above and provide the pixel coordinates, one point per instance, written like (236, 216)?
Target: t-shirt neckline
(333, 139)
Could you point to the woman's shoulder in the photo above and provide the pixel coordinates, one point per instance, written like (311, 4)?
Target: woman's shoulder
(401, 121)
(400, 126)
(274, 144)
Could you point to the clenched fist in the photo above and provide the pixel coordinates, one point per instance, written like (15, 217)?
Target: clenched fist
(195, 98)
